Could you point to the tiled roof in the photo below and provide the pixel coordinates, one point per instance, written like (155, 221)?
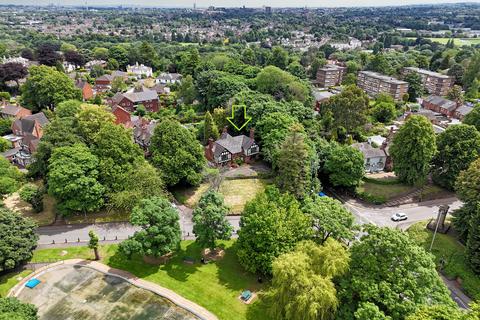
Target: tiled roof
(369, 151)
(232, 144)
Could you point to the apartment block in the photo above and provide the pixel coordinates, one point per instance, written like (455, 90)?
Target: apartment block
(375, 83)
(329, 76)
(433, 82)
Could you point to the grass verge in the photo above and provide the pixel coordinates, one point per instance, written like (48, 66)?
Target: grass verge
(447, 247)
(9, 280)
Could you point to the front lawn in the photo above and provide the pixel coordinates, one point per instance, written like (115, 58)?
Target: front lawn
(379, 191)
(9, 280)
(447, 247)
(236, 192)
(215, 286)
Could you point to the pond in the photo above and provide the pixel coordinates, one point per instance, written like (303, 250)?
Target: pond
(76, 292)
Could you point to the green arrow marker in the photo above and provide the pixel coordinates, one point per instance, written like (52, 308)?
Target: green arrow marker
(247, 119)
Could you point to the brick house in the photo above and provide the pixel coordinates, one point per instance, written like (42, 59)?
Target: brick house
(440, 105)
(227, 149)
(10, 111)
(26, 136)
(130, 100)
(87, 90)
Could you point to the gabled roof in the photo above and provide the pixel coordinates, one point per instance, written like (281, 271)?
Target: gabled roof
(140, 96)
(11, 110)
(464, 110)
(369, 151)
(441, 102)
(232, 144)
(27, 124)
(169, 76)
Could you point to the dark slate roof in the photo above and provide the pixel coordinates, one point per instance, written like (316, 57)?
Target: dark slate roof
(28, 123)
(369, 151)
(141, 96)
(10, 110)
(464, 110)
(441, 102)
(232, 144)
(169, 76)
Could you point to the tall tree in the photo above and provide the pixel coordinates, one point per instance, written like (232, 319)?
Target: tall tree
(349, 108)
(473, 240)
(415, 86)
(458, 146)
(18, 239)
(91, 119)
(302, 286)
(473, 71)
(46, 88)
(209, 220)
(344, 165)
(376, 263)
(413, 149)
(329, 219)
(186, 90)
(473, 117)
(47, 54)
(456, 94)
(177, 153)
(12, 71)
(297, 165)
(271, 224)
(72, 179)
(159, 232)
(210, 129)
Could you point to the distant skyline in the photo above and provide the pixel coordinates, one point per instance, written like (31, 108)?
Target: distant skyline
(233, 3)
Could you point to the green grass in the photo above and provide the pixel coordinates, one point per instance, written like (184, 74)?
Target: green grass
(99, 217)
(236, 192)
(383, 190)
(44, 218)
(447, 247)
(215, 286)
(456, 41)
(9, 280)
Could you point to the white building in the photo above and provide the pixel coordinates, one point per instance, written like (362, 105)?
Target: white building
(140, 70)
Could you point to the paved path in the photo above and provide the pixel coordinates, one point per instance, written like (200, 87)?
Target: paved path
(180, 301)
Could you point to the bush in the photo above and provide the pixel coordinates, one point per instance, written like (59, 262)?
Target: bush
(33, 195)
(385, 182)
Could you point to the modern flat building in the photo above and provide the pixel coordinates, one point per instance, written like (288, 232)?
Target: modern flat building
(329, 76)
(434, 83)
(375, 83)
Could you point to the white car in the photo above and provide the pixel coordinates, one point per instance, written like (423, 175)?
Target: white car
(399, 216)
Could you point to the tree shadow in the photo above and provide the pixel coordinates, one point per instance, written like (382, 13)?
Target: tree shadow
(233, 276)
(175, 267)
(259, 309)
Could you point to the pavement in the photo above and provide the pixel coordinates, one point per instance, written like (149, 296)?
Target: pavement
(77, 234)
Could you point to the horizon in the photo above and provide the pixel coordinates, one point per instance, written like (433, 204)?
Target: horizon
(229, 3)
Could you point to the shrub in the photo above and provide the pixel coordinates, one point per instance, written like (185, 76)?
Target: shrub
(33, 195)
(371, 198)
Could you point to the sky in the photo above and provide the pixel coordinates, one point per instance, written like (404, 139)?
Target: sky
(235, 3)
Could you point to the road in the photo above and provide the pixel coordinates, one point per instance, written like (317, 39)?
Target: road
(112, 231)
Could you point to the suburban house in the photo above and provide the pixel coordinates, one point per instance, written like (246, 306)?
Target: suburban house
(87, 90)
(169, 78)
(227, 149)
(321, 97)
(27, 133)
(374, 158)
(104, 83)
(100, 63)
(143, 131)
(462, 111)
(130, 100)
(10, 111)
(140, 70)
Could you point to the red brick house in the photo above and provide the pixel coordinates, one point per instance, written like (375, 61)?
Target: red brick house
(440, 105)
(227, 149)
(130, 100)
(87, 90)
(11, 111)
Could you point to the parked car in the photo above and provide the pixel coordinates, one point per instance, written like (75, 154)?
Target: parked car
(399, 216)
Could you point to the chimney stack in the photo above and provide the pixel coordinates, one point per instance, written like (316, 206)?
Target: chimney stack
(225, 129)
(252, 133)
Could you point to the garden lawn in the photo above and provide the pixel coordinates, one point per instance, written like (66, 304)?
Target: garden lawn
(239, 191)
(447, 247)
(99, 217)
(44, 218)
(9, 280)
(236, 192)
(215, 286)
(382, 190)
